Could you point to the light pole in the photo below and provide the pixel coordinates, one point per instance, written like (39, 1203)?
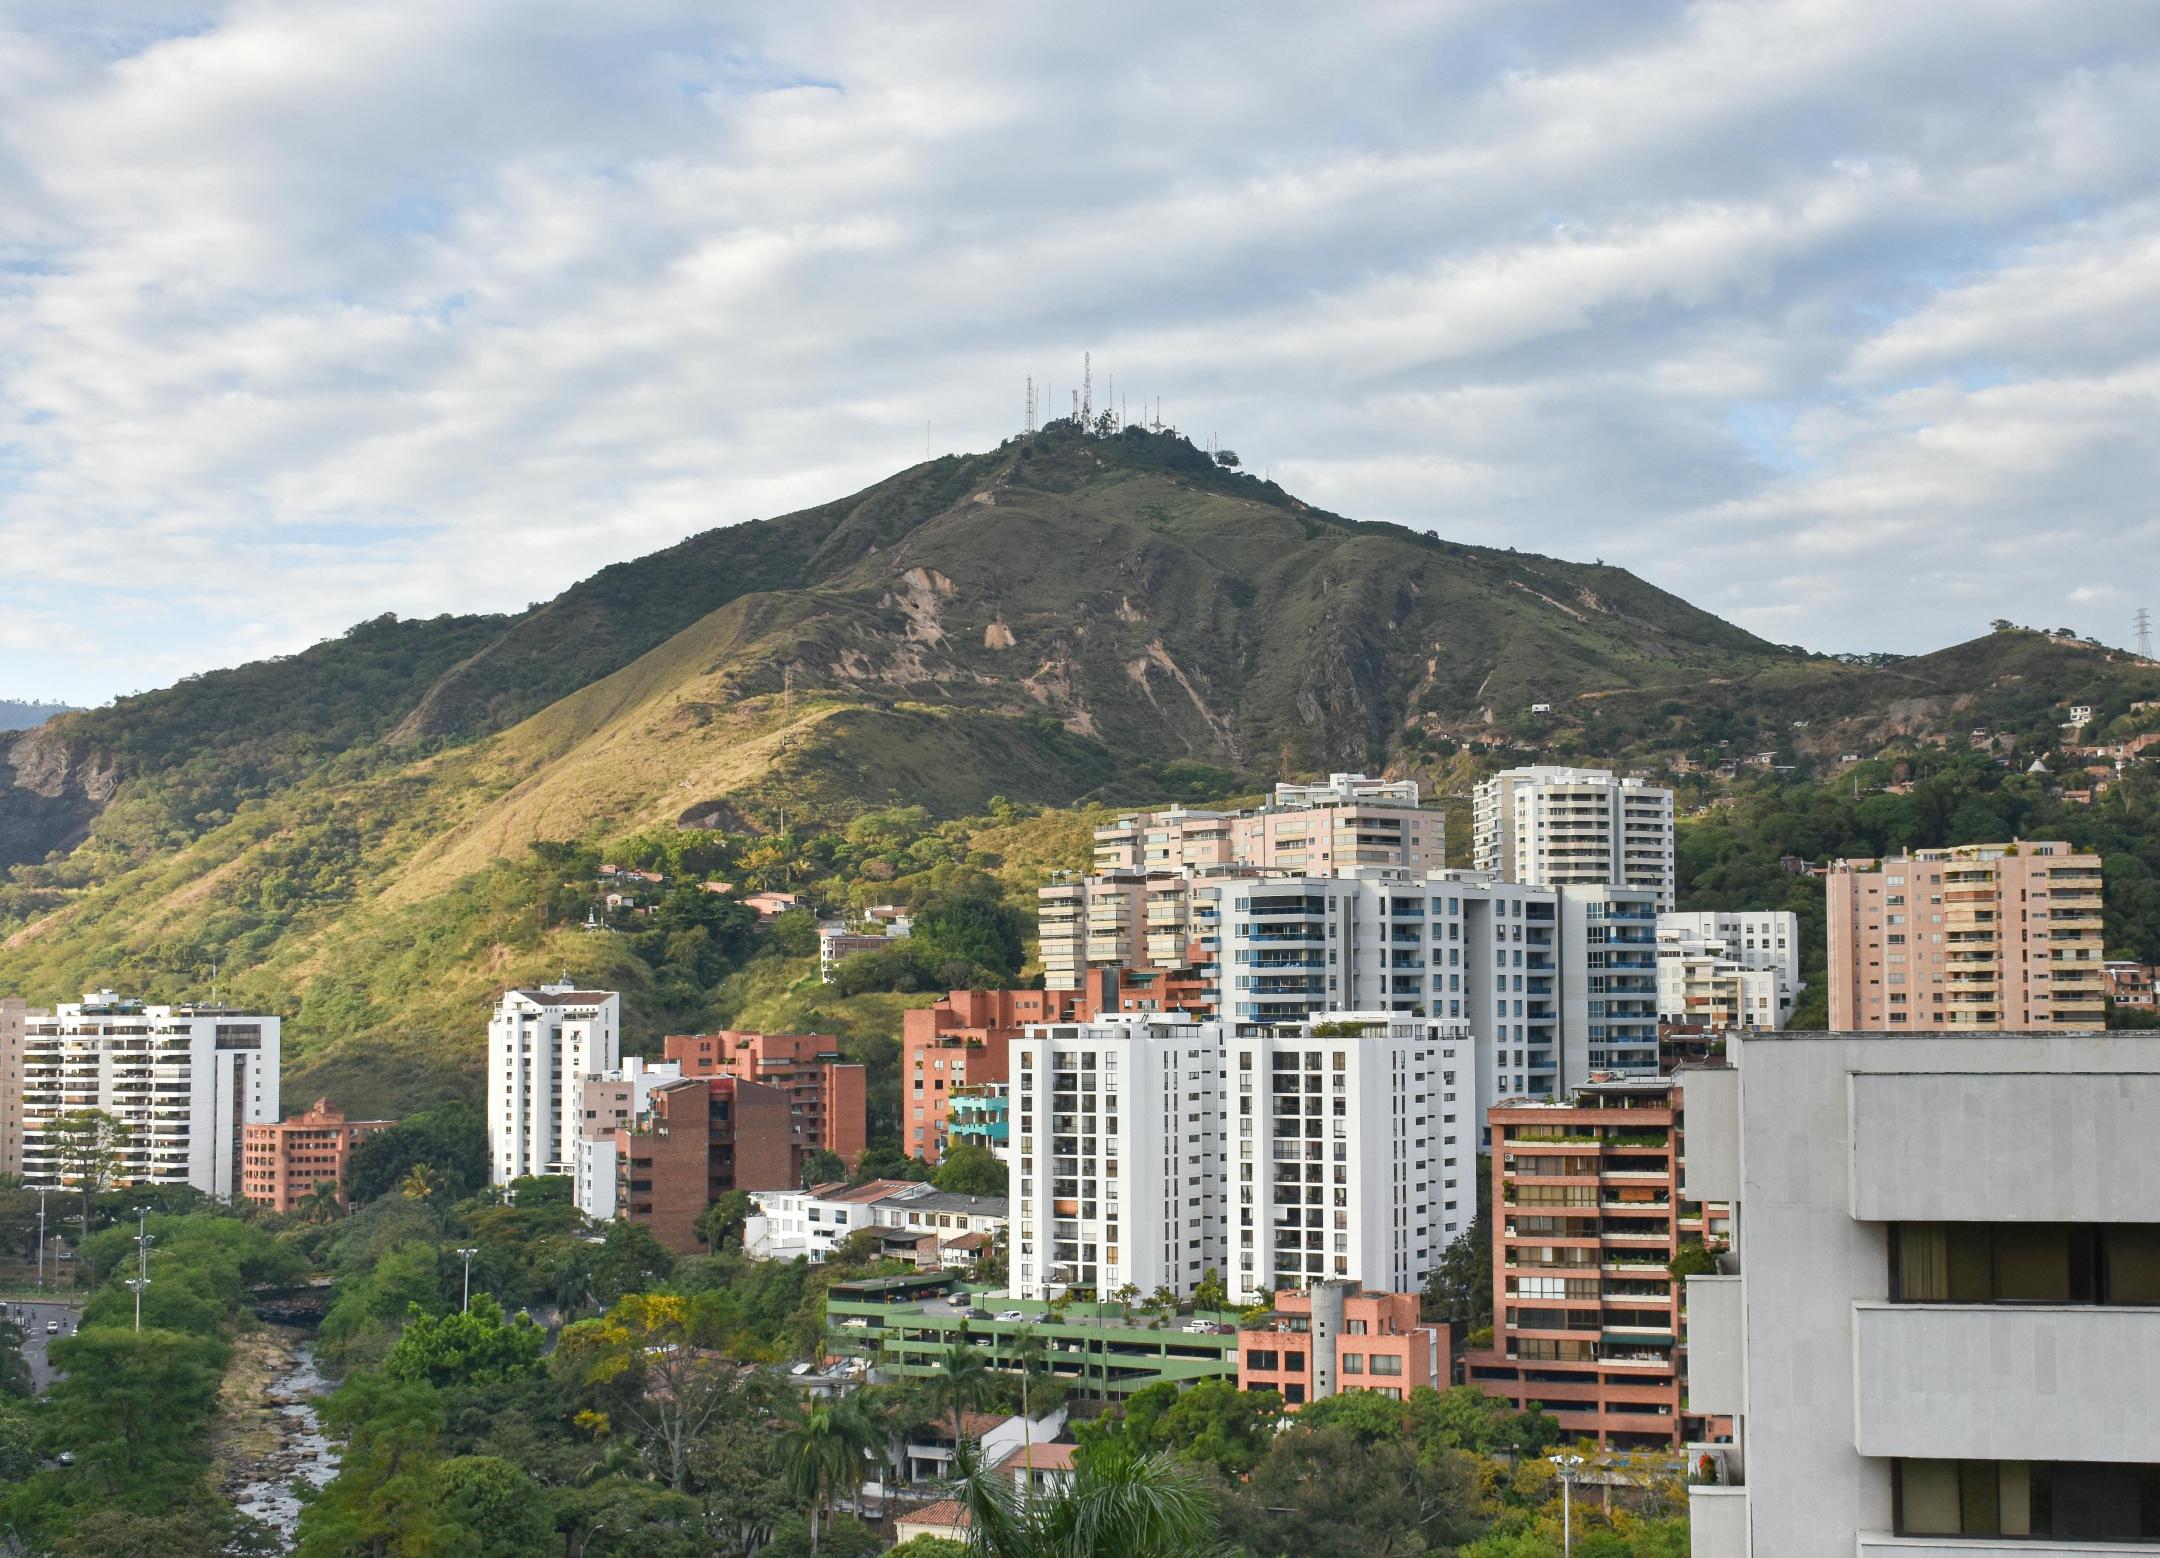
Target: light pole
(42, 1192)
(143, 1239)
(466, 1255)
(1566, 1465)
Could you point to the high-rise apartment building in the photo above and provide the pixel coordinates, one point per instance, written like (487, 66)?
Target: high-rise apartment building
(1973, 938)
(1587, 1214)
(1334, 1336)
(284, 1160)
(963, 1043)
(185, 1082)
(612, 1102)
(542, 1046)
(1552, 827)
(1728, 970)
(1937, 1329)
(1554, 982)
(1118, 1165)
(698, 1139)
(830, 1095)
(15, 1017)
(1353, 1150)
(1348, 821)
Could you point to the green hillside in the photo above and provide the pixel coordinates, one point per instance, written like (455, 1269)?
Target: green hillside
(349, 835)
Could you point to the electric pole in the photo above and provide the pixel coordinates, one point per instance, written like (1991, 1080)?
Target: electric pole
(2143, 623)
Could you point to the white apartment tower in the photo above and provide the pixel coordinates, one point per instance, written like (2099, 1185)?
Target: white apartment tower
(543, 1045)
(1729, 970)
(1574, 826)
(1353, 1150)
(185, 1081)
(1118, 1170)
(1937, 1329)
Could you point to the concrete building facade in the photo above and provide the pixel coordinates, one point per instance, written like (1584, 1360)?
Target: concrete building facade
(962, 1044)
(283, 1161)
(1118, 1165)
(542, 1045)
(830, 1095)
(1587, 1214)
(698, 1139)
(1335, 1336)
(1353, 1146)
(612, 1102)
(15, 1014)
(186, 1082)
(1727, 969)
(1553, 827)
(1937, 1330)
(1973, 938)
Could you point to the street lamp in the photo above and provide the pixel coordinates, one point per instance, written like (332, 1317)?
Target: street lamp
(42, 1192)
(144, 1238)
(1566, 1465)
(466, 1255)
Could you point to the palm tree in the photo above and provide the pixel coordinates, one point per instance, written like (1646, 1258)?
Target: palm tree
(962, 1381)
(823, 1453)
(1119, 1504)
(423, 1183)
(322, 1204)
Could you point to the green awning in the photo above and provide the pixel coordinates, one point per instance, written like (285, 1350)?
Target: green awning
(1647, 1338)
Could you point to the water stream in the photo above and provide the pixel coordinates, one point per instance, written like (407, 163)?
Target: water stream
(303, 1454)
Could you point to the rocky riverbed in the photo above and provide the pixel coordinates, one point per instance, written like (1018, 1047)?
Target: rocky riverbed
(268, 1439)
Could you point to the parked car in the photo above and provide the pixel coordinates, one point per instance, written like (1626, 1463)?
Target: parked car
(1199, 1327)
(1012, 1314)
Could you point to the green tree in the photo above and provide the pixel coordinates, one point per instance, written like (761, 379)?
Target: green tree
(131, 1406)
(472, 1347)
(823, 1167)
(496, 1506)
(1321, 1493)
(387, 1499)
(451, 1140)
(88, 1144)
(652, 1367)
(969, 1170)
(1120, 1503)
(960, 1384)
(542, 1190)
(824, 1453)
(723, 1220)
(1213, 1424)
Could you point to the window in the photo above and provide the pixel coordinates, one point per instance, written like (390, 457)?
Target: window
(1353, 1363)
(1383, 1363)
(2112, 1502)
(2025, 1263)
(1260, 1359)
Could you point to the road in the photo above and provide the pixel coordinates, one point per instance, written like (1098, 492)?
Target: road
(32, 1317)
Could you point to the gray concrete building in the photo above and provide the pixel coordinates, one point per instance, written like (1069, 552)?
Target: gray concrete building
(1937, 1328)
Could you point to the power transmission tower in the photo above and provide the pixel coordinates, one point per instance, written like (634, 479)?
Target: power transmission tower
(2143, 623)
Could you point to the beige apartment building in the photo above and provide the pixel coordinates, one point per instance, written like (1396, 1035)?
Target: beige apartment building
(1139, 908)
(15, 1015)
(1974, 938)
(1574, 827)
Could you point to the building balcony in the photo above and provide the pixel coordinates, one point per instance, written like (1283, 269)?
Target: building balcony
(1993, 1382)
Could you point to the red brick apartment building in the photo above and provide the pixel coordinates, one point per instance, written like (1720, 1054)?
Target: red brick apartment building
(1334, 1337)
(281, 1163)
(830, 1096)
(697, 1140)
(963, 1041)
(1586, 1218)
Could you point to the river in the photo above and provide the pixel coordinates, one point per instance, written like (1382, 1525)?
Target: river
(294, 1449)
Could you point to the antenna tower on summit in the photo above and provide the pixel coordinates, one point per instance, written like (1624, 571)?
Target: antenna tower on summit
(2143, 623)
(1087, 388)
(1031, 403)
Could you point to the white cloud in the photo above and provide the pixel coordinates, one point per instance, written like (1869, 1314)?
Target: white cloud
(1837, 318)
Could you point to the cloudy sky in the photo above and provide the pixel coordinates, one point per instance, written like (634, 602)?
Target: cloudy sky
(1840, 318)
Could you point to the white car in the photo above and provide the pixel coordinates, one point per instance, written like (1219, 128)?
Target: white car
(855, 1323)
(1199, 1328)
(1011, 1314)
(52, 1327)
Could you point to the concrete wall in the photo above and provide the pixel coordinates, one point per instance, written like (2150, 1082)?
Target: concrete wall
(1966, 1148)
(1711, 1097)
(2006, 1383)
(1717, 1344)
(1717, 1522)
(1879, 1545)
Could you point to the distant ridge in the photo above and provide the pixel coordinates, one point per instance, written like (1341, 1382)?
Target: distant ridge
(28, 713)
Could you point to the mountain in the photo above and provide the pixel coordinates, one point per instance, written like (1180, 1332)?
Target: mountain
(345, 833)
(25, 713)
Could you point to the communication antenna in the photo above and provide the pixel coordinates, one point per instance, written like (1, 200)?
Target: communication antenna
(2143, 623)
(1031, 404)
(1076, 405)
(1087, 387)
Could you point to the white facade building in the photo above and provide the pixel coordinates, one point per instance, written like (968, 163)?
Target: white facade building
(1938, 1329)
(185, 1081)
(1118, 1164)
(1574, 826)
(1729, 970)
(612, 1102)
(811, 1223)
(1553, 982)
(1353, 1142)
(543, 1045)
